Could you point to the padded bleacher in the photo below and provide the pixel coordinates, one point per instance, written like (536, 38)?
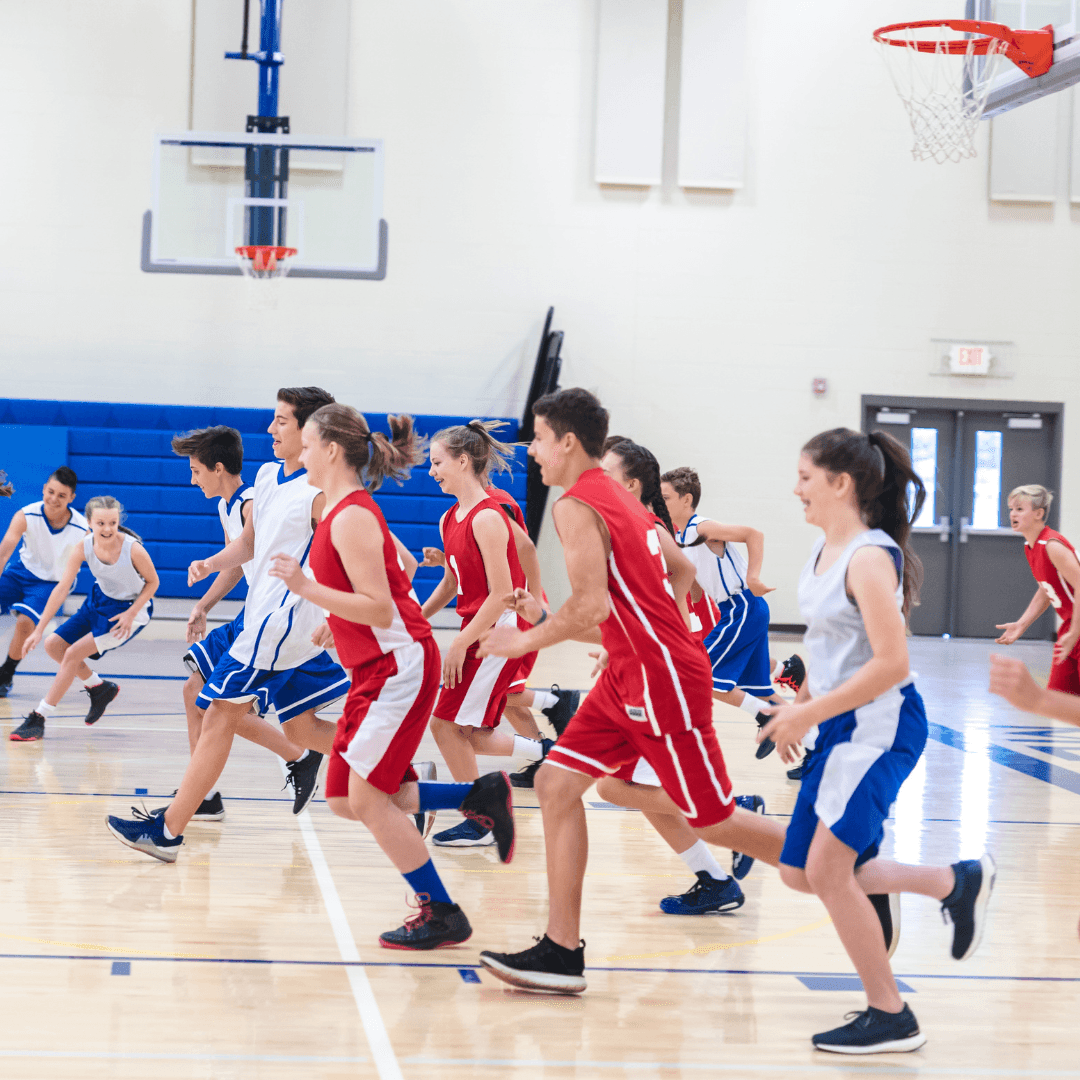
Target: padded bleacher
(123, 450)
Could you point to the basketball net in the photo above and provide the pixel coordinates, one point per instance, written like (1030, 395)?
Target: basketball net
(944, 93)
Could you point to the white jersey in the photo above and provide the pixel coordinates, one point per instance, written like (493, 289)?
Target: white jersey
(721, 576)
(278, 624)
(119, 580)
(45, 550)
(835, 632)
(232, 520)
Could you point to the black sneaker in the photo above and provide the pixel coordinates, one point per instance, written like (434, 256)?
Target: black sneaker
(304, 778)
(546, 966)
(30, 730)
(212, 809)
(966, 905)
(560, 713)
(792, 674)
(800, 770)
(425, 819)
(525, 776)
(5, 685)
(740, 863)
(100, 696)
(766, 746)
(873, 1032)
(435, 926)
(490, 805)
(887, 909)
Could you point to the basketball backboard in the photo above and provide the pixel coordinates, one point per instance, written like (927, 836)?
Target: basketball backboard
(329, 205)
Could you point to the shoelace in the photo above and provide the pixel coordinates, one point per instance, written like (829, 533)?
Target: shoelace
(423, 915)
(486, 823)
(141, 815)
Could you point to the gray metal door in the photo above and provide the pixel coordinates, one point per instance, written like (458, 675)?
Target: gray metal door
(971, 455)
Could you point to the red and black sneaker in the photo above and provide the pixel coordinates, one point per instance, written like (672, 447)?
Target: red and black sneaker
(100, 696)
(31, 729)
(792, 673)
(435, 926)
(490, 804)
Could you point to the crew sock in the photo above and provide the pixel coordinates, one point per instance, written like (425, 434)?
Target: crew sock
(699, 857)
(426, 879)
(441, 796)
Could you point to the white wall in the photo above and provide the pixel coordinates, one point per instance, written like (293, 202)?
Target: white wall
(700, 319)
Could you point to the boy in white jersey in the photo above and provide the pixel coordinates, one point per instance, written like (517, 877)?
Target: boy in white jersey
(48, 529)
(274, 660)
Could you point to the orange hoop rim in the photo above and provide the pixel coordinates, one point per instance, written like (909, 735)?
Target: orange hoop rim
(1030, 50)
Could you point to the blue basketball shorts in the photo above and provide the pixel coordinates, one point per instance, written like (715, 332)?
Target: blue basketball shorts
(203, 656)
(95, 617)
(313, 685)
(23, 593)
(738, 646)
(859, 763)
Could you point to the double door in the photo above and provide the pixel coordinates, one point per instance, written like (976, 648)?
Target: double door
(970, 455)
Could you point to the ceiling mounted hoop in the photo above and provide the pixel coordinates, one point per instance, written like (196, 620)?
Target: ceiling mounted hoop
(264, 261)
(944, 69)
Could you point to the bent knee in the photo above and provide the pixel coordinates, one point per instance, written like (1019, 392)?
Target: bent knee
(794, 878)
(611, 790)
(339, 805)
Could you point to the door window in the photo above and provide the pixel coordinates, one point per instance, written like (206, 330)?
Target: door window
(987, 500)
(924, 462)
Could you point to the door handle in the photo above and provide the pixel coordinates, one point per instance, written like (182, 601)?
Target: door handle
(945, 525)
(965, 528)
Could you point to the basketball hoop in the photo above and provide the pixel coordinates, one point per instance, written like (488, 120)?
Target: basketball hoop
(944, 80)
(264, 261)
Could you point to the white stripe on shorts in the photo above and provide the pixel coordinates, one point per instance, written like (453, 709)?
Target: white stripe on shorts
(475, 702)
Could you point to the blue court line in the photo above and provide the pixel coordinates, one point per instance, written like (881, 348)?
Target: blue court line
(1011, 759)
(112, 675)
(460, 967)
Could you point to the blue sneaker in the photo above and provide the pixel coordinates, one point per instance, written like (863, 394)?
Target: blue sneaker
(966, 905)
(467, 834)
(873, 1032)
(740, 863)
(146, 833)
(705, 895)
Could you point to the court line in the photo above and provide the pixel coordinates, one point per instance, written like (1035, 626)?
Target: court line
(120, 1055)
(386, 1063)
(112, 675)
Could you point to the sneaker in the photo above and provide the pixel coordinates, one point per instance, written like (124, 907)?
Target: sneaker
(100, 696)
(873, 1032)
(740, 863)
(800, 770)
(887, 909)
(467, 834)
(526, 775)
(766, 746)
(212, 809)
(5, 685)
(559, 714)
(435, 926)
(145, 832)
(705, 895)
(425, 819)
(966, 905)
(490, 805)
(30, 730)
(304, 777)
(792, 674)
(546, 966)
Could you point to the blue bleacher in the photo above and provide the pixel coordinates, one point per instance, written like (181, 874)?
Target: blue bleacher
(122, 449)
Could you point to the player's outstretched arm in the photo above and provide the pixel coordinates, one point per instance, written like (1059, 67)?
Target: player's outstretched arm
(717, 534)
(530, 561)
(14, 534)
(1069, 569)
(1010, 679)
(56, 599)
(408, 559)
(240, 551)
(1012, 631)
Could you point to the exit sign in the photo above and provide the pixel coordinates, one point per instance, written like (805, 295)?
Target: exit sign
(969, 360)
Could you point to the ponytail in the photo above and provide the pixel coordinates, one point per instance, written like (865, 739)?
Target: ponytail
(372, 455)
(638, 463)
(7, 489)
(477, 442)
(880, 468)
(108, 502)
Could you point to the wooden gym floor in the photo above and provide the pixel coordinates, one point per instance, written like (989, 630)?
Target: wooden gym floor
(255, 954)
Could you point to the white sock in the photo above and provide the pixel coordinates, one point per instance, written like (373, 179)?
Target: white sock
(296, 762)
(750, 704)
(94, 680)
(45, 709)
(168, 835)
(809, 740)
(529, 749)
(778, 670)
(544, 699)
(699, 857)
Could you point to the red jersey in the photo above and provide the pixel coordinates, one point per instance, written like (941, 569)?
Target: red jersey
(1050, 581)
(704, 615)
(357, 643)
(467, 564)
(657, 667)
(509, 502)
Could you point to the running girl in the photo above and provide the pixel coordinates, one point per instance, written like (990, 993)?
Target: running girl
(117, 609)
(854, 595)
(384, 639)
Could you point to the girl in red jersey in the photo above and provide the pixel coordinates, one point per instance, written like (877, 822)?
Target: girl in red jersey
(483, 565)
(1056, 570)
(381, 635)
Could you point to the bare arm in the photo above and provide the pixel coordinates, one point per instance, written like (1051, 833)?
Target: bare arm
(441, 595)
(489, 529)
(233, 555)
(1014, 630)
(56, 598)
(681, 571)
(1066, 565)
(14, 534)
(717, 535)
(408, 559)
(1010, 679)
(530, 563)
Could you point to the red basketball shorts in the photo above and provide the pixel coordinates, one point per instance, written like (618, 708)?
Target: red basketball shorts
(603, 737)
(479, 697)
(386, 713)
(1066, 675)
(521, 679)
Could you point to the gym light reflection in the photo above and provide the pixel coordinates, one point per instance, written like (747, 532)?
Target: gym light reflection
(908, 812)
(974, 793)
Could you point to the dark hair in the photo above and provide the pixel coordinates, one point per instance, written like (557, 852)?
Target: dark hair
(639, 464)
(578, 412)
(613, 441)
(108, 502)
(475, 439)
(685, 482)
(880, 468)
(374, 457)
(211, 445)
(304, 400)
(65, 476)
(6, 489)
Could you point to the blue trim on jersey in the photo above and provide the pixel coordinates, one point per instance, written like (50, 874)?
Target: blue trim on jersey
(48, 525)
(283, 479)
(235, 496)
(738, 646)
(720, 566)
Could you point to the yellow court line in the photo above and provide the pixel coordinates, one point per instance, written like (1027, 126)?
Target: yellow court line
(105, 948)
(541, 870)
(704, 950)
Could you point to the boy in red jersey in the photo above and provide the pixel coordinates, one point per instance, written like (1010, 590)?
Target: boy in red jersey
(1056, 569)
(653, 699)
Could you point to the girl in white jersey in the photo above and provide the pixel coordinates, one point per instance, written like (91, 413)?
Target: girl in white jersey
(854, 595)
(117, 609)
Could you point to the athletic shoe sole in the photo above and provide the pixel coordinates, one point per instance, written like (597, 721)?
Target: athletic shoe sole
(892, 901)
(425, 948)
(893, 1046)
(20, 738)
(982, 900)
(484, 841)
(534, 980)
(154, 852)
